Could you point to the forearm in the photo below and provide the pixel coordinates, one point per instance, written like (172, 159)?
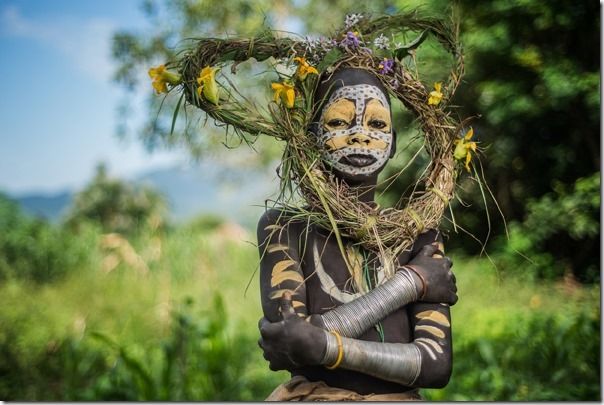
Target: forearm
(354, 318)
(397, 362)
(424, 362)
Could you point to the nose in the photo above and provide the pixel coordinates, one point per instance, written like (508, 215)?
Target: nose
(359, 139)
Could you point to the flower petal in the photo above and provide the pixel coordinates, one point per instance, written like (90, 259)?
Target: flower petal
(290, 95)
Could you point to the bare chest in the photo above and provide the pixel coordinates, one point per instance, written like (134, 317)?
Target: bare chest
(336, 276)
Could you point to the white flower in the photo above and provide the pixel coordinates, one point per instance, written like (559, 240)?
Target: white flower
(381, 42)
(352, 20)
(310, 44)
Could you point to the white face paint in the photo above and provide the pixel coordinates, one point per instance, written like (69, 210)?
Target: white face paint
(355, 130)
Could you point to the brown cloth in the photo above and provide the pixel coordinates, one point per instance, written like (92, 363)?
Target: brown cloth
(300, 389)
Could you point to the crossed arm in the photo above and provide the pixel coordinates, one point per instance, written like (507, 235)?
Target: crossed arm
(289, 342)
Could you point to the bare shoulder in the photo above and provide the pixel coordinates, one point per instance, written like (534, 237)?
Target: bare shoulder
(274, 219)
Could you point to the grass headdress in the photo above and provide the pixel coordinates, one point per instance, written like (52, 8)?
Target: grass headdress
(362, 43)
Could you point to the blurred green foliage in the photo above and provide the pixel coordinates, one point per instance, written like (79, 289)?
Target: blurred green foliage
(33, 249)
(198, 360)
(539, 357)
(566, 216)
(533, 76)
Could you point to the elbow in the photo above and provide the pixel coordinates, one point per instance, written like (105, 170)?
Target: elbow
(440, 379)
(435, 374)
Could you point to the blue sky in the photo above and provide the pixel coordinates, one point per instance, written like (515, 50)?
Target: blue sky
(59, 106)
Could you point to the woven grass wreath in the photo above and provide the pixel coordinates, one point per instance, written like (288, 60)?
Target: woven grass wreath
(362, 43)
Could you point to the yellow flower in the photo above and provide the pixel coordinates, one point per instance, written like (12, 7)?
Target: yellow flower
(284, 92)
(207, 84)
(304, 69)
(463, 148)
(435, 96)
(162, 77)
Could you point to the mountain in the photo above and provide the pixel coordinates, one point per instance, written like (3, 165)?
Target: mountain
(237, 195)
(51, 206)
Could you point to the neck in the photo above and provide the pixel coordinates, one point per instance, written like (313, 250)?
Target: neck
(365, 190)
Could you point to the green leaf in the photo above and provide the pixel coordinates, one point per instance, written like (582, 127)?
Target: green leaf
(404, 50)
(330, 58)
(175, 115)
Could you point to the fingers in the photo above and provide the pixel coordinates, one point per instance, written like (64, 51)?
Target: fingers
(439, 254)
(269, 329)
(287, 308)
(428, 250)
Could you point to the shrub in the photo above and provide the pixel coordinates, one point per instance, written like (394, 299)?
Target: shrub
(536, 357)
(559, 235)
(117, 206)
(199, 360)
(34, 249)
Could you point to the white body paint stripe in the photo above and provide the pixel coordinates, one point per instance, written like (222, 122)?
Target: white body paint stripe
(327, 283)
(432, 343)
(432, 355)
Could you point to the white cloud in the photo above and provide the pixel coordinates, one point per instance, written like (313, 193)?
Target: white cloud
(85, 42)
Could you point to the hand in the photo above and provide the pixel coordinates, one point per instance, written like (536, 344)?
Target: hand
(292, 342)
(435, 271)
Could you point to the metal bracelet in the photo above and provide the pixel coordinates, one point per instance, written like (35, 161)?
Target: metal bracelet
(397, 362)
(354, 318)
(331, 349)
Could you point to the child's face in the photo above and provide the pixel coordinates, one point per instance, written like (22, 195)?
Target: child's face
(355, 130)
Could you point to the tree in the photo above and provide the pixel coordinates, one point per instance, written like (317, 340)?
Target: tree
(117, 206)
(533, 74)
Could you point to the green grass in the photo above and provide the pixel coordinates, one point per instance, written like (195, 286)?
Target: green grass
(128, 335)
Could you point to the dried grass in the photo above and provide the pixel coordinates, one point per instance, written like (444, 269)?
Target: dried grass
(330, 203)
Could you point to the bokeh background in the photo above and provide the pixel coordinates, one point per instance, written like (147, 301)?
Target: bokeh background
(128, 269)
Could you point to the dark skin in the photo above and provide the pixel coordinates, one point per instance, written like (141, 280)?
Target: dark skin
(294, 288)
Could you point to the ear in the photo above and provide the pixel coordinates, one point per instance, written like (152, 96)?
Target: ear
(393, 147)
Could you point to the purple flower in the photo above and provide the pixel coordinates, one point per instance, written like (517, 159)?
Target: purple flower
(387, 66)
(350, 40)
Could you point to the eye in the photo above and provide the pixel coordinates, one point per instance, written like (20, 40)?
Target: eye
(377, 124)
(336, 122)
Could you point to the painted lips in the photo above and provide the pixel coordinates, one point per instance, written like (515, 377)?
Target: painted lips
(357, 160)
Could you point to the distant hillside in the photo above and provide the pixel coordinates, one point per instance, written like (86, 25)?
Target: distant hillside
(232, 194)
(51, 206)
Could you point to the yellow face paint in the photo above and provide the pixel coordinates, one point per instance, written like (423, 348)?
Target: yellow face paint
(339, 115)
(355, 129)
(344, 141)
(376, 117)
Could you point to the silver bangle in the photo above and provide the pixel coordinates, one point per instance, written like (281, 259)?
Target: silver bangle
(397, 362)
(354, 318)
(331, 349)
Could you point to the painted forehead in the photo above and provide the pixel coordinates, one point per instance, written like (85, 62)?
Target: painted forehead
(358, 92)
